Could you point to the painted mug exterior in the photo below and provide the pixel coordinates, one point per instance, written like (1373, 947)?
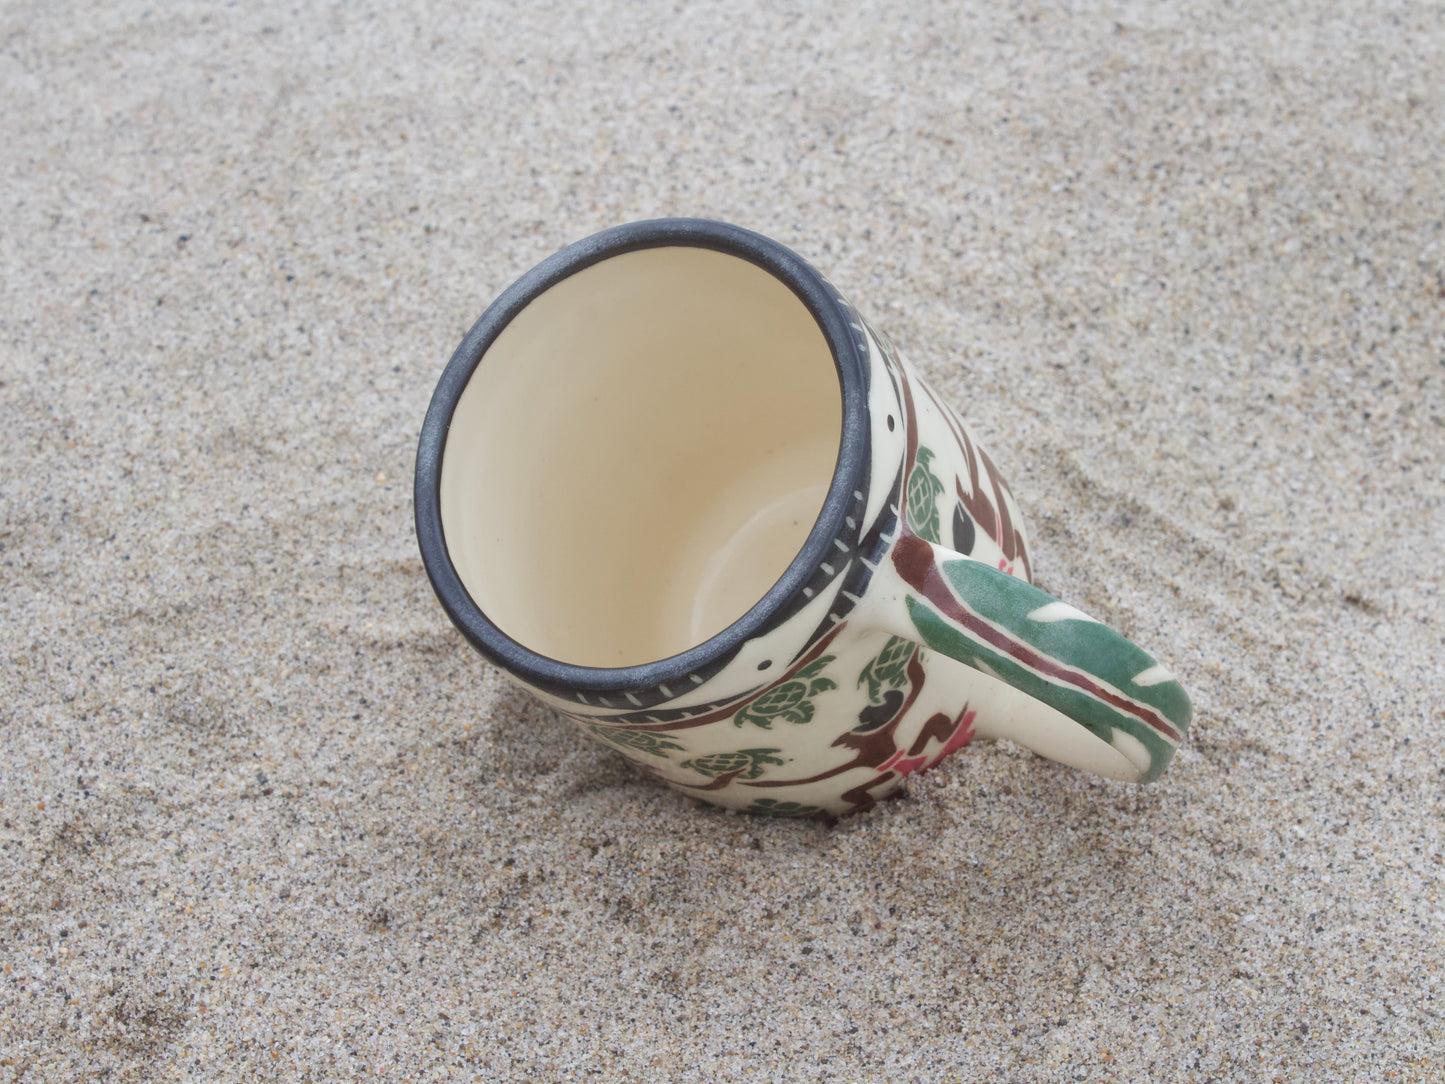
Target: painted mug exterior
(904, 628)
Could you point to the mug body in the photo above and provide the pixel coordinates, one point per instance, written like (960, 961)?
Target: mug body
(661, 483)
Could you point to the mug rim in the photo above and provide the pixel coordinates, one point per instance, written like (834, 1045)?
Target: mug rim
(830, 313)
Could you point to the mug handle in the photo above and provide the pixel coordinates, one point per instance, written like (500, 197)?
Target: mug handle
(1073, 689)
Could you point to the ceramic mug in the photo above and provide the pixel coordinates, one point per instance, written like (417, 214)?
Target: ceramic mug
(674, 484)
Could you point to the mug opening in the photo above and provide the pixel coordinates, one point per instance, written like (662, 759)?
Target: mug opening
(639, 455)
(846, 344)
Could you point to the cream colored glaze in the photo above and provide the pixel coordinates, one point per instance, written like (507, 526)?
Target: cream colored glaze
(640, 455)
(1007, 713)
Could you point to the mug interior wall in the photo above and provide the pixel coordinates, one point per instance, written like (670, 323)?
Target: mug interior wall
(639, 455)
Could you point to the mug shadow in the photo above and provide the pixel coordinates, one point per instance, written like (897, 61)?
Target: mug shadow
(993, 834)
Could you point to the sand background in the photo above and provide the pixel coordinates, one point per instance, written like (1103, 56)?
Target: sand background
(265, 816)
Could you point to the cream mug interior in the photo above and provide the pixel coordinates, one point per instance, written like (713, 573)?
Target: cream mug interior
(639, 455)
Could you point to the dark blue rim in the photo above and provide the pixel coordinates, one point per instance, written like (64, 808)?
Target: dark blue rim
(848, 475)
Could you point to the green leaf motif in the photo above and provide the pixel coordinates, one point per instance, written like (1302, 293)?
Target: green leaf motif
(924, 489)
(888, 669)
(790, 700)
(771, 807)
(635, 741)
(750, 762)
(1067, 663)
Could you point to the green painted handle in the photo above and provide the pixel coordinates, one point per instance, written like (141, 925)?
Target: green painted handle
(1077, 672)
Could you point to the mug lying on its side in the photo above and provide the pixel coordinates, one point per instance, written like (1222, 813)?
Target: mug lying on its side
(677, 486)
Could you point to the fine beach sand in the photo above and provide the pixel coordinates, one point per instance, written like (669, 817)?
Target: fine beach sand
(266, 816)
